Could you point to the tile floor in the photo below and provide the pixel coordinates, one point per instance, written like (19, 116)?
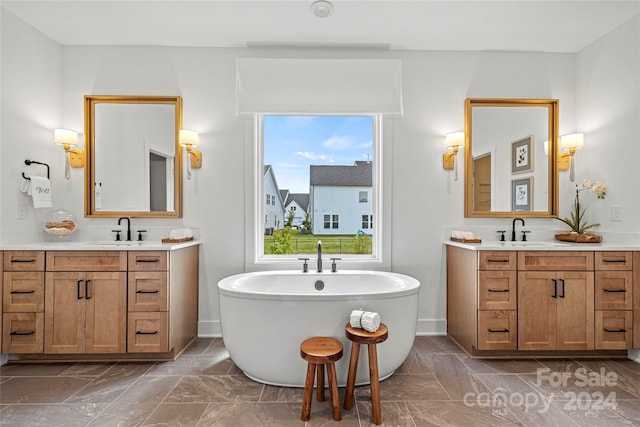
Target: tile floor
(438, 385)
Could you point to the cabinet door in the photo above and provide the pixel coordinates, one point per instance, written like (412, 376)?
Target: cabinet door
(64, 313)
(575, 308)
(106, 312)
(536, 310)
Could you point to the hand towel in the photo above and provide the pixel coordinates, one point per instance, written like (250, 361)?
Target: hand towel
(370, 321)
(464, 235)
(354, 319)
(40, 190)
(181, 233)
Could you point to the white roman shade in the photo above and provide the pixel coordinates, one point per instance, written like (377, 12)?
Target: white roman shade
(318, 86)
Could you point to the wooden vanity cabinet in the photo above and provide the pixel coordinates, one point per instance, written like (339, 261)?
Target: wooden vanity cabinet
(22, 302)
(86, 302)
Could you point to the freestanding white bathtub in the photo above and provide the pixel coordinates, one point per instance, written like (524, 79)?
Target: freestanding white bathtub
(266, 315)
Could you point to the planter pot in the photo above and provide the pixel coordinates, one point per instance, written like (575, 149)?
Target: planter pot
(579, 238)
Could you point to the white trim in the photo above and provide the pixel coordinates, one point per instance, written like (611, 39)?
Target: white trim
(431, 327)
(209, 329)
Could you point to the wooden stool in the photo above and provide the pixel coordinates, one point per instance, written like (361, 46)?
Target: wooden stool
(360, 336)
(320, 351)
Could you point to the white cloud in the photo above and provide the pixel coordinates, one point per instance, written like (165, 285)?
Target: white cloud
(312, 156)
(338, 142)
(367, 144)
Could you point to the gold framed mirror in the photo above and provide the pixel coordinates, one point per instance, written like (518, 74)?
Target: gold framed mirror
(510, 155)
(134, 159)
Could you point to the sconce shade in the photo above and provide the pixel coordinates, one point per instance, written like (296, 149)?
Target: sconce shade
(65, 137)
(189, 138)
(573, 140)
(455, 139)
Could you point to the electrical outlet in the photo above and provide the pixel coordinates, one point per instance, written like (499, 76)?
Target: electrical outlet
(21, 212)
(616, 213)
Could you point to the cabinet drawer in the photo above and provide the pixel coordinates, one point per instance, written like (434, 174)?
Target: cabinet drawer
(148, 291)
(23, 261)
(23, 292)
(148, 332)
(497, 290)
(148, 260)
(497, 260)
(555, 261)
(614, 330)
(614, 290)
(497, 330)
(22, 333)
(613, 261)
(87, 261)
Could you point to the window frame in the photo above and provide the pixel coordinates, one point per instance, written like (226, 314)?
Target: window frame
(255, 259)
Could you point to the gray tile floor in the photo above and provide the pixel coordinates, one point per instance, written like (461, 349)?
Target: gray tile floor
(438, 385)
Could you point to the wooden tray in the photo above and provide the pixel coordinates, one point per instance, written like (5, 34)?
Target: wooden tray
(579, 238)
(182, 239)
(455, 239)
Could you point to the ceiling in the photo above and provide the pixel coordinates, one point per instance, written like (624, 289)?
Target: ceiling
(515, 25)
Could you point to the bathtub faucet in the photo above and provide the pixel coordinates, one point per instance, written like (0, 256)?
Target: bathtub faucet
(319, 270)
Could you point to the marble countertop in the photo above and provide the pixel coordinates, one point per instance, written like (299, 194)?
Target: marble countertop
(99, 245)
(549, 245)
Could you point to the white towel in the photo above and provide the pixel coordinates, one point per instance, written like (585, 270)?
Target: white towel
(464, 235)
(181, 233)
(354, 319)
(40, 191)
(370, 321)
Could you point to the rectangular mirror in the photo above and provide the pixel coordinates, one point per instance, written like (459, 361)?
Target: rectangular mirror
(134, 161)
(510, 158)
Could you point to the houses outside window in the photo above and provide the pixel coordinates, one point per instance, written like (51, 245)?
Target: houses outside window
(367, 222)
(363, 196)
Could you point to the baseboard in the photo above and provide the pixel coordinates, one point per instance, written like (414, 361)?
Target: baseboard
(634, 354)
(431, 327)
(209, 329)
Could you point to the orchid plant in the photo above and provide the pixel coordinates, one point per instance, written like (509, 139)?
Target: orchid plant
(575, 221)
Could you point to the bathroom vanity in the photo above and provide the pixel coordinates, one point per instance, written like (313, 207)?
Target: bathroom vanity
(567, 300)
(99, 301)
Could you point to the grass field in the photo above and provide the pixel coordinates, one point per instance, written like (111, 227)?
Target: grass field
(331, 244)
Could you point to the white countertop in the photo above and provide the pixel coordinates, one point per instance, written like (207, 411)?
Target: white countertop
(544, 245)
(102, 245)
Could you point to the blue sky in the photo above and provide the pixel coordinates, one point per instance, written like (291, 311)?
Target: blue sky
(292, 143)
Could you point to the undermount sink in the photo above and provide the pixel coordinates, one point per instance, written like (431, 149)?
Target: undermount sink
(116, 243)
(529, 244)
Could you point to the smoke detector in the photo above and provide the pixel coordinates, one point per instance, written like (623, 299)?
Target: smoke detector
(321, 8)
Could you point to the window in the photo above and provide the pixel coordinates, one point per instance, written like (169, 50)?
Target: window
(330, 168)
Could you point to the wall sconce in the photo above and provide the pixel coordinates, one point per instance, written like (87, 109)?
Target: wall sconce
(74, 158)
(454, 141)
(189, 138)
(570, 143)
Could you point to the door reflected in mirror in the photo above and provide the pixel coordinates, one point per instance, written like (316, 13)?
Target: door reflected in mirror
(134, 162)
(510, 157)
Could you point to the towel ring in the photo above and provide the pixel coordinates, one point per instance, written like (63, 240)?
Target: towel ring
(29, 162)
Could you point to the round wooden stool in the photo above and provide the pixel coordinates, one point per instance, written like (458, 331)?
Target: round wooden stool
(320, 351)
(359, 336)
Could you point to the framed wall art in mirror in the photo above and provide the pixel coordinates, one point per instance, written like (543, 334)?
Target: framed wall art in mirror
(510, 144)
(134, 161)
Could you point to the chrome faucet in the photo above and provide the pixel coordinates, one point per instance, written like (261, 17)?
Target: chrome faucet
(128, 227)
(319, 269)
(513, 228)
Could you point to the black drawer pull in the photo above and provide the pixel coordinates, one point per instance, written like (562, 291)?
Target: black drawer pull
(498, 290)
(497, 260)
(147, 260)
(498, 330)
(146, 333)
(22, 333)
(615, 330)
(615, 260)
(147, 292)
(23, 260)
(614, 290)
(22, 292)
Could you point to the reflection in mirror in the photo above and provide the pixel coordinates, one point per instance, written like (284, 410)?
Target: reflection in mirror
(510, 157)
(134, 162)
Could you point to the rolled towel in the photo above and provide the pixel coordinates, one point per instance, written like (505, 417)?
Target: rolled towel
(464, 235)
(355, 318)
(181, 233)
(370, 321)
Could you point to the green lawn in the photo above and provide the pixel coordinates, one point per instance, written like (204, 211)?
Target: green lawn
(331, 244)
